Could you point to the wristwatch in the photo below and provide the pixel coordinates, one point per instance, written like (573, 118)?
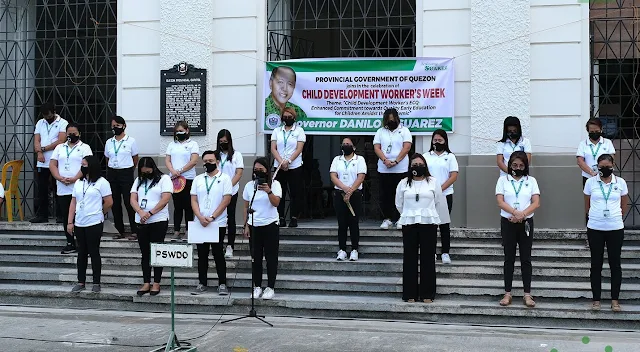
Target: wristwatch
(270, 192)
(150, 213)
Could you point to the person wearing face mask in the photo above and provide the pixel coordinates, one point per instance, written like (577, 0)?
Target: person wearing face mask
(121, 153)
(392, 144)
(261, 198)
(232, 165)
(287, 142)
(50, 132)
(518, 197)
(91, 199)
(347, 174)
(210, 197)
(181, 158)
(512, 141)
(607, 198)
(150, 194)
(417, 199)
(443, 165)
(65, 164)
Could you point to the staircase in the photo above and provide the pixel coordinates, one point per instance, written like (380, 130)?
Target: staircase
(312, 283)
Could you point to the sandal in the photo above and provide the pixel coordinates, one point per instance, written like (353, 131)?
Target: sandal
(595, 306)
(506, 300)
(118, 236)
(427, 300)
(528, 301)
(615, 307)
(411, 300)
(132, 237)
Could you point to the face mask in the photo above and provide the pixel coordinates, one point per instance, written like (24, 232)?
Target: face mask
(84, 170)
(517, 172)
(289, 122)
(224, 146)
(439, 147)
(181, 136)
(512, 135)
(147, 175)
(259, 175)
(605, 171)
(595, 135)
(73, 138)
(419, 170)
(50, 120)
(117, 130)
(210, 167)
(347, 149)
(392, 124)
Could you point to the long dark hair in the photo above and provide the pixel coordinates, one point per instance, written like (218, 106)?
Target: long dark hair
(184, 125)
(146, 161)
(511, 121)
(409, 175)
(224, 133)
(523, 157)
(264, 162)
(94, 168)
(387, 114)
(442, 134)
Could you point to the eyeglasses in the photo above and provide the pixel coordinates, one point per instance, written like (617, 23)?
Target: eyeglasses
(517, 166)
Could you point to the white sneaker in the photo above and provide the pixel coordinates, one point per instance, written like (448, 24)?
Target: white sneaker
(257, 292)
(386, 224)
(229, 252)
(342, 255)
(268, 293)
(354, 255)
(446, 259)
(398, 226)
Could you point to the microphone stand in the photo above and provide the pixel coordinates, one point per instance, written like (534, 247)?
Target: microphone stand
(252, 311)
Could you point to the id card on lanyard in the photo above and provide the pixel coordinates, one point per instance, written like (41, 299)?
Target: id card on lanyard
(345, 175)
(116, 150)
(606, 196)
(516, 205)
(207, 202)
(143, 202)
(84, 193)
(285, 138)
(390, 146)
(594, 154)
(67, 166)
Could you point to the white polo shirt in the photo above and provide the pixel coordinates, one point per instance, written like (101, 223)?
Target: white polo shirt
(391, 144)
(597, 219)
(149, 196)
(208, 200)
(49, 135)
(348, 170)
(264, 213)
(591, 152)
(89, 201)
(287, 142)
(507, 148)
(440, 167)
(526, 187)
(229, 167)
(69, 163)
(121, 153)
(1, 191)
(180, 154)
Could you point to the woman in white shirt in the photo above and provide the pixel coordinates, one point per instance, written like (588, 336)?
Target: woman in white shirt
(347, 174)
(232, 165)
(512, 141)
(121, 153)
(91, 199)
(287, 142)
(391, 144)
(150, 194)
(417, 198)
(518, 197)
(181, 158)
(443, 165)
(65, 164)
(607, 198)
(261, 199)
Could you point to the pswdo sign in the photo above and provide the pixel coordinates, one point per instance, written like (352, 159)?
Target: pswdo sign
(172, 255)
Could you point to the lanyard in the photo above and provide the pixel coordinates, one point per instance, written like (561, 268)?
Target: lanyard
(116, 150)
(513, 184)
(347, 163)
(69, 152)
(391, 134)
(597, 149)
(146, 187)
(223, 162)
(49, 126)
(513, 146)
(606, 196)
(84, 190)
(207, 183)
(285, 137)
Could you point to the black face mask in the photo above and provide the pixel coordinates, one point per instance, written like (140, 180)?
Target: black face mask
(439, 147)
(517, 172)
(288, 122)
(210, 167)
(50, 120)
(605, 171)
(147, 175)
(224, 146)
(84, 170)
(392, 124)
(347, 149)
(182, 136)
(595, 135)
(513, 135)
(117, 131)
(419, 170)
(73, 138)
(260, 176)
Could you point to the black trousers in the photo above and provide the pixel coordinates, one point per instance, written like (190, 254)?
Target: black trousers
(147, 234)
(63, 203)
(294, 178)
(513, 235)
(231, 221)
(182, 205)
(613, 240)
(445, 229)
(265, 241)
(218, 257)
(41, 204)
(420, 239)
(346, 221)
(586, 216)
(387, 186)
(121, 181)
(88, 242)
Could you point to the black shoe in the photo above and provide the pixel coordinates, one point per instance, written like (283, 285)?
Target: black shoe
(68, 249)
(283, 222)
(141, 293)
(39, 220)
(293, 222)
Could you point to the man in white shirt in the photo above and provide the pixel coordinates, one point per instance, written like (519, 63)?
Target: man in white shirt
(50, 131)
